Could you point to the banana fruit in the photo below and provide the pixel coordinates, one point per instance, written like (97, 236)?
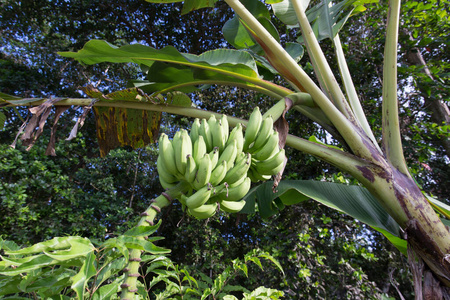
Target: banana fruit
(218, 165)
(203, 212)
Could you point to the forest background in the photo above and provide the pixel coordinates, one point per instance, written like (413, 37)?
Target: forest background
(76, 192)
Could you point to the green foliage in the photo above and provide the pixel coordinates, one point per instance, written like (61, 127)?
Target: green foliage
(98, 190)
(71, 265)
(183, 285)
(43, 197)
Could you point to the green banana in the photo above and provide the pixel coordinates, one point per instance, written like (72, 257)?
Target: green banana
(199, 197)
(237, 135)
(199, 149)
(203, 172)
(205, 131)
(191, 169)
(217, 133)
(226, 129)
(182, 147)
(167, 154)
(232, 206)
(219, 173)
(236, 193)
(203, 212)
(195, 130)
(256, 177)
(269, 148)
(239, 170)
(163, 172)
(166, 185)
(263, 134)
(214, 155)
(272, 165)
(229, 154)
(254, 123)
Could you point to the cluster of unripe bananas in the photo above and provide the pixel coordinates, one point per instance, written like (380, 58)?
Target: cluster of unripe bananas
(218, 165)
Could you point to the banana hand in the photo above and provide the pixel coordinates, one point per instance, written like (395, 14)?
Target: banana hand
(269, 148)
(167, 154)
(272, 165)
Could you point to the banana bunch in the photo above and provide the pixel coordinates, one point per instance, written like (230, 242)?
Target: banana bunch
(261, 141)
(210, 159)
(218, 165)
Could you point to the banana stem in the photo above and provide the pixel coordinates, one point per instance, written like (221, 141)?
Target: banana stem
(392, 140)
(322, 69)
(129, 287)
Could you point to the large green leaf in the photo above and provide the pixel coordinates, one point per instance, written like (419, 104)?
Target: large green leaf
(170, 70)
(326, 18)
(285, 12)
(233, 63)
(355, 201)
(237, 34)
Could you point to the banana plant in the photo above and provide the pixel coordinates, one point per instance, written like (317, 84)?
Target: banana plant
(403, 212)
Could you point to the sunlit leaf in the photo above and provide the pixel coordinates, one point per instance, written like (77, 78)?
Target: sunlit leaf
(223, 61)
(284, 11)
(273, 260)
(399, 243)
(50, 245)
(141, 244)
(439, 206)
(142, 230)
(106, 292)
(38, 261)
(116, 243)
(78, 247)
(79, 281)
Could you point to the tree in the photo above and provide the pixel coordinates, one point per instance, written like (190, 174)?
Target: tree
(384, 173)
